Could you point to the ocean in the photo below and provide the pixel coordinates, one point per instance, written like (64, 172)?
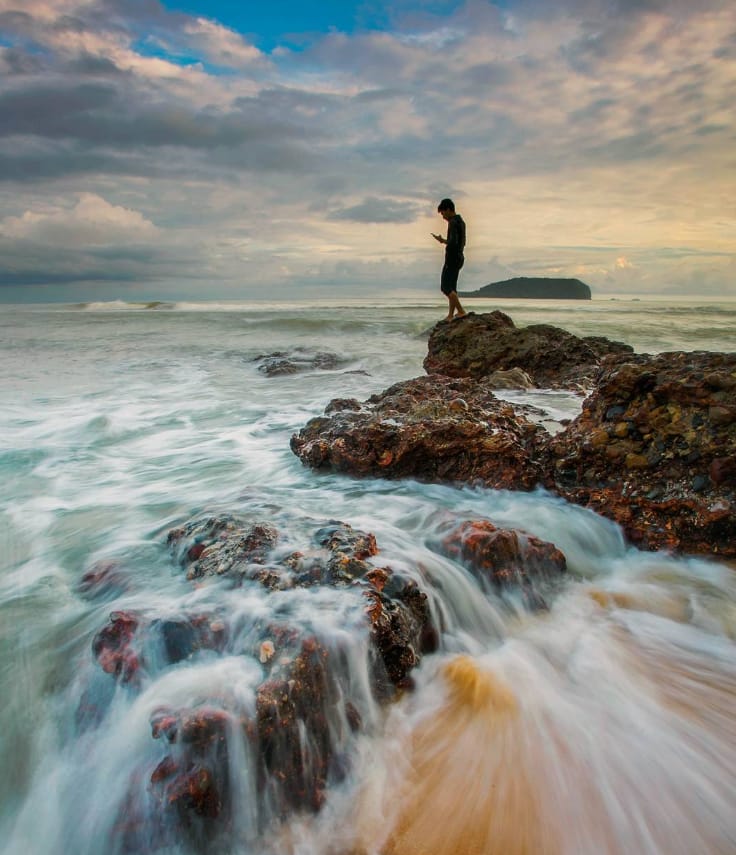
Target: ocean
(603, 725)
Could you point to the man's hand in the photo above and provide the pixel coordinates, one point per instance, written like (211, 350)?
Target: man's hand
(438, 238)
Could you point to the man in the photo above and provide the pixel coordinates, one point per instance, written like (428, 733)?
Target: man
(454, 258)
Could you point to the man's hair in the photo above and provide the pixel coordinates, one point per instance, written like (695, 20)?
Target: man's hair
(446, 205)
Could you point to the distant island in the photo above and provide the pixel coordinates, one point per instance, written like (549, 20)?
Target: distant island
(534, 288)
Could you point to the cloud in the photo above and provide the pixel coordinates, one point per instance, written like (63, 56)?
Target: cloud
(88, 239)
(580, 124)
(221, 45)
(377, 210)
(92, 221)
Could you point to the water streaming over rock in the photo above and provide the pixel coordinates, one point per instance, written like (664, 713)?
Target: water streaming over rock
(306, 689)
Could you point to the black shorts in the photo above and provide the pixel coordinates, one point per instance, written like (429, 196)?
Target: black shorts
(450, 272)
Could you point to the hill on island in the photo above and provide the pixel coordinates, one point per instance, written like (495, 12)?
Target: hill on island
(534, 288)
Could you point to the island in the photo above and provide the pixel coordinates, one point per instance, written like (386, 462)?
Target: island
(534, 288)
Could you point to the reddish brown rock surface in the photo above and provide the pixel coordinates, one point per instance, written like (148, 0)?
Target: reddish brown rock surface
(478, 345)
(655, 449)
(299, 724)
(430, 428)
(505, 558)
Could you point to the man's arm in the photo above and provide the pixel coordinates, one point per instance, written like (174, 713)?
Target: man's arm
(438, 238)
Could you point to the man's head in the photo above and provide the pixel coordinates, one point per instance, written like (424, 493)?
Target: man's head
(446, 208)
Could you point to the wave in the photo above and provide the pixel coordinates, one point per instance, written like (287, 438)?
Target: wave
(123, 305)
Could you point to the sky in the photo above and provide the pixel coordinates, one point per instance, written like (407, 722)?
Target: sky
(283, 150)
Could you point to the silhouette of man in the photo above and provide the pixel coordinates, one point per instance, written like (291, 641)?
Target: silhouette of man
(454, 257)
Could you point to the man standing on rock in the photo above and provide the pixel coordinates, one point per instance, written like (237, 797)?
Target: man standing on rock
(454, 258)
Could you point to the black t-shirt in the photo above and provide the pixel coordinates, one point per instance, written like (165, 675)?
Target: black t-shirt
(455, 241)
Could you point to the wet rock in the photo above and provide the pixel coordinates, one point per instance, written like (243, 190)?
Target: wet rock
(397, 611)
(401, 629)
(430, 428)
(654, 448)
(104, 579)
(297, 361)
(193, 780)
(299, 726)
(290, 708)
(183, 637)
(114, 649)
(130, 640)
(513, 378)
(505, 558)
(222, 545)
(487, 343)
(668, 478)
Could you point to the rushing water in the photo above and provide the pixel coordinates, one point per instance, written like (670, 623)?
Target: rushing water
(604, 725)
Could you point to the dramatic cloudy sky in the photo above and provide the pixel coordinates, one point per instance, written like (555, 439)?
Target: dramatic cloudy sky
(203, 149)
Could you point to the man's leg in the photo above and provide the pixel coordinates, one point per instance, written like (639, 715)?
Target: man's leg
(449, 289)
(455, 306)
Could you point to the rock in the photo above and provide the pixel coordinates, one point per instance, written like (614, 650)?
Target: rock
(130, 640)
(291, 709)
(654, 448)
(486, 343)
(430, 428)
(222, 545)
(104, 579)
(193, 779)
(397, 611)
(297, 361)
(401, 629)
(298, 727)
(113, 646)
(514, 378)
(668, 477)
(505, 558)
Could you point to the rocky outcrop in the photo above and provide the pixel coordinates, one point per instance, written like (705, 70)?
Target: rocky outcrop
(299, 724)
(429, 428)
(655, 449)
(534, 288)
(477, 345)
(297, 719)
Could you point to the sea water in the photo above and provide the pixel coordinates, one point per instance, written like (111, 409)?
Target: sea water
(603, 725)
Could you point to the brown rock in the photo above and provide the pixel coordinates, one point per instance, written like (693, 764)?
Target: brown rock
(677, 480)
(504, 557)
(416, 430)
(487, 343)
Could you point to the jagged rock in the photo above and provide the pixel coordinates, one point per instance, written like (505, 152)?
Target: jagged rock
(296, 361)
(479, 345)
(130, 640)
(654, 448)
(505, 558)
(647, 451)
(220, 545)
(430, 428)
(113, 646)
